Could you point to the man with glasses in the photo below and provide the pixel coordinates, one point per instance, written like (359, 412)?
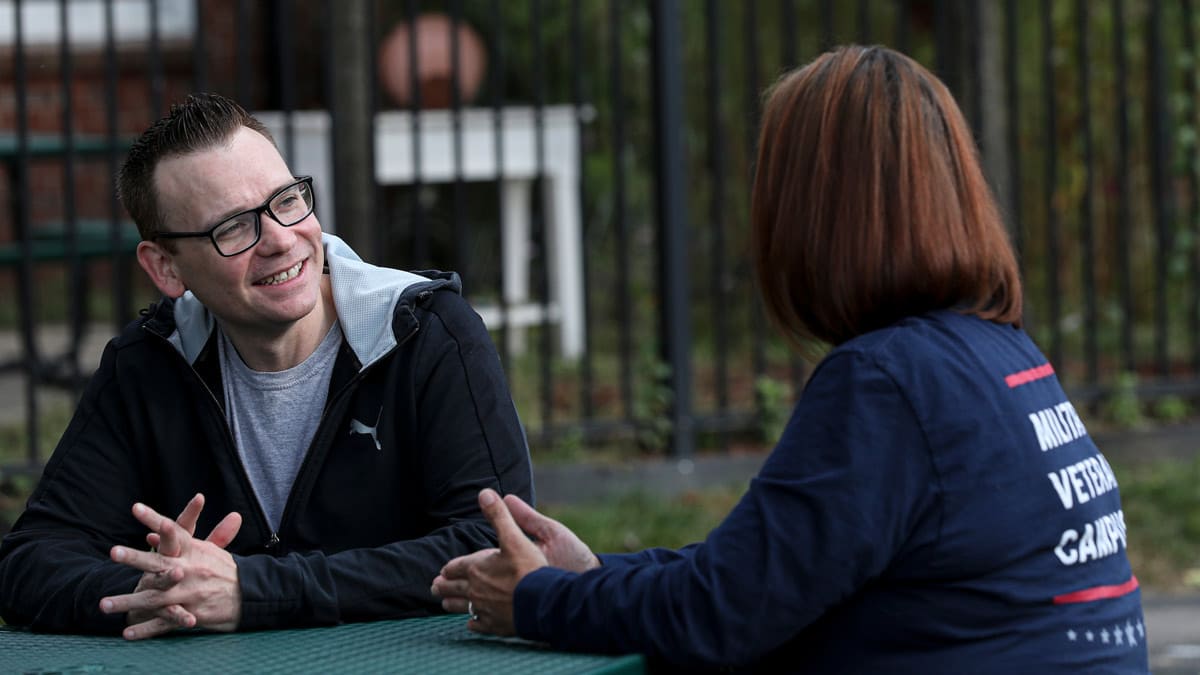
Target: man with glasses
(321, 426)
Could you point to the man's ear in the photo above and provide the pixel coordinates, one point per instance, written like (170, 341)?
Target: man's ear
(160, 266)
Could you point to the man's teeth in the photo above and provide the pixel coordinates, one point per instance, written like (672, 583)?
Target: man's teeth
(283, 276)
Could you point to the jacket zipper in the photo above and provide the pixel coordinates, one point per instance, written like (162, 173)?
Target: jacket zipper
(231, 446)
(336, 397)
(273, 540)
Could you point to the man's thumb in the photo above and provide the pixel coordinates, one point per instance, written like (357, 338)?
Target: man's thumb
(497, 514)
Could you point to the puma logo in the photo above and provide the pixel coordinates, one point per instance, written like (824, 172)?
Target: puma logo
(357, 427)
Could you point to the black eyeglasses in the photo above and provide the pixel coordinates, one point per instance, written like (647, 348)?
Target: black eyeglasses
(240, 232)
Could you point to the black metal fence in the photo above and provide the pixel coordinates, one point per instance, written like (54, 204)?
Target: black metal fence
(585, 165)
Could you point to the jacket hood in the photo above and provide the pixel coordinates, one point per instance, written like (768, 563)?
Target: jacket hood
(365, 297)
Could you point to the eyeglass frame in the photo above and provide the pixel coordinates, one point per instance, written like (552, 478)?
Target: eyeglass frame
(265, 207)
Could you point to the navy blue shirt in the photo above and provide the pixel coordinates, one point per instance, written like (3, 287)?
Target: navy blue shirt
(934, 505)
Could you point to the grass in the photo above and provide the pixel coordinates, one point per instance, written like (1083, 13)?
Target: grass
(638, 520)
(1161, 501)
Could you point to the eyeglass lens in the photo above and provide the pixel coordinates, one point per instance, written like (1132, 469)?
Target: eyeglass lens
(242, 231)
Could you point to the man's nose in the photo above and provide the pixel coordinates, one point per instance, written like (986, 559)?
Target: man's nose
(274, 237)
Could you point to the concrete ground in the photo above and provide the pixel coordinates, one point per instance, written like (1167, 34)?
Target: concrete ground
(1172, 621)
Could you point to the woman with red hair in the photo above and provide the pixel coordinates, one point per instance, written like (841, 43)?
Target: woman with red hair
(934, 505)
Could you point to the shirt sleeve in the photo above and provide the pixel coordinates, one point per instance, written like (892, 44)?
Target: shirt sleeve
(834, 503)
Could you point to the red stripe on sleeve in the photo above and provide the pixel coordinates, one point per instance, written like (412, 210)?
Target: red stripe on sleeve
(1027, 376)
(1098, 592)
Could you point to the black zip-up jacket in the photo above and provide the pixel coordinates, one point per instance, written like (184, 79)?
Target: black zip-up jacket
(370, 519)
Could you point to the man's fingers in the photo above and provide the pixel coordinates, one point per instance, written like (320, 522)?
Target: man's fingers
(455, 605)
(528, 519)
(446, 588)
(148, 629)
(191, 513)
(179, 616)
(147, 516)
(226, 530)
(162, 580)
(457, 568)
(150, 600)
(509, 535)
(145, 561)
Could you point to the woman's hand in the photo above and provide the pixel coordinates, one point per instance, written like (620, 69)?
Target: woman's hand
(482, 583)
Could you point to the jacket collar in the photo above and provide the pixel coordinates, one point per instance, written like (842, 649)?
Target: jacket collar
(368, 299)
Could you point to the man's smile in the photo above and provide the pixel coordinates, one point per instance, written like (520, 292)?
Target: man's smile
(280, 277)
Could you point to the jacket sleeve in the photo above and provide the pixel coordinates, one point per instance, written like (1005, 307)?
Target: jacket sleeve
(54, 564)
(650, 555)
(468, 438)
(832, 505)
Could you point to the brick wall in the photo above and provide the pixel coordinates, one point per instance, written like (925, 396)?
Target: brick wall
(134, 93)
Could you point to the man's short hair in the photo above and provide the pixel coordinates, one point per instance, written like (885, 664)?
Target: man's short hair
(869, 204)
(200, 122)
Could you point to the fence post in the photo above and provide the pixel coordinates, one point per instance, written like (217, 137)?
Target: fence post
(351, 127)
(675, 336)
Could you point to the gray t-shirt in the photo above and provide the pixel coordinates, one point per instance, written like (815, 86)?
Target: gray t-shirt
(273, 417)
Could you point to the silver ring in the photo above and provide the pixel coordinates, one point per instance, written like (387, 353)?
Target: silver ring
(471, 611)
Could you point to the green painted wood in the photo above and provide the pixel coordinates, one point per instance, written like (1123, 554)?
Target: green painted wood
(49, 242)
(440, 644)
(45, 145)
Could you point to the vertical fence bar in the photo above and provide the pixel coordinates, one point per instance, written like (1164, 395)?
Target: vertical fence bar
(460, 227)
(1054, 299)
(539, 216)
(716, 206)
(1124, 238)
(624, 305)
(420, 238)
(120, 270)
(199, 58)
(381, 224)
(497, 87)
(155, 61)
(20, 216)
(758, 348)
(242, 40)
(827, 34)
(943, 60)
(671, 179)
(974, 48)
(1158, 129)
(76, 281)
(576, 61)
(903, 27)
(1012, 131)
(352, 135)
(1193, 206)
(285, 64)
(788, 30)
(1084, 81)
(864, 21)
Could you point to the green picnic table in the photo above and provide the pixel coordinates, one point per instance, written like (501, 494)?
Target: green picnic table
(440, 644)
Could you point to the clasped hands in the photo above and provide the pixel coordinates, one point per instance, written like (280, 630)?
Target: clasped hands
(186, 582)
(483, 582)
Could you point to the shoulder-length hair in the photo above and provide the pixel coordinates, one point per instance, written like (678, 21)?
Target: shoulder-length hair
(869, 204)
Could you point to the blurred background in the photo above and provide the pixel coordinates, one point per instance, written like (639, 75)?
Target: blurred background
(585, 166)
